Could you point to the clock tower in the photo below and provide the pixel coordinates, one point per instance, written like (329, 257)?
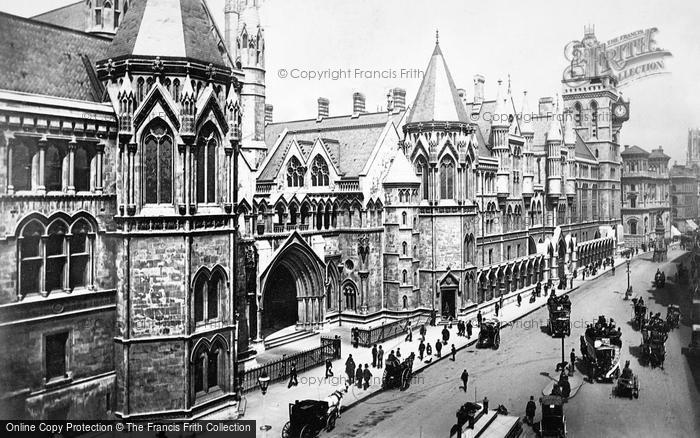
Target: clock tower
(599, 110)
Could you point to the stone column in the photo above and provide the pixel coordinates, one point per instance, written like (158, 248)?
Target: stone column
(228, 194)
(131, 151)
(43, 143)
(71, 166)
(545, 270)
(258, 329)
(363, 292)
(574, 258)
(66, 266)
(301, 313)
(10, 164)
(99, 182)
(182, 201)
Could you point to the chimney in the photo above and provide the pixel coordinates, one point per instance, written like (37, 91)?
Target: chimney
(546, 105)
(479, 88)
(627, 146)
(358, 103)
(322, 107)
(399, 95)
(268, 113)
(231, 16)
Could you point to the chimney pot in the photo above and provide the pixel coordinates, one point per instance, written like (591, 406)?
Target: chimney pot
(546, 105)
(268, 113)
(479, 81)
(399, 98)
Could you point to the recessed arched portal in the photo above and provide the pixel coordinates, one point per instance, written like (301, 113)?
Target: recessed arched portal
(293, 291)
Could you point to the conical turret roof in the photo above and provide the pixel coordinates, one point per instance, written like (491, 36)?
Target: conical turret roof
(168, 28)
(437, 98)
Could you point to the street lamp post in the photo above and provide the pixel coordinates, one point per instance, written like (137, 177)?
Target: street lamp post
(264, 381)
(628, 274)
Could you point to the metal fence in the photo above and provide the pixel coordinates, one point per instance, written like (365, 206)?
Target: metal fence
(280, 369)
(384, 332)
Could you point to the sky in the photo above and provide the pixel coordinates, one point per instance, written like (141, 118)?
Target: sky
(523, 39)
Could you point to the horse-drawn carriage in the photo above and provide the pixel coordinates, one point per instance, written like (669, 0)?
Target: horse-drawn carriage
(600, 351)
(559, 316)
(308, 417)
(639, 312)
(653, 342)
(673, 316)
(553, 423)
(627, 384)
(489, 334)
(398, 374)
(659, 279)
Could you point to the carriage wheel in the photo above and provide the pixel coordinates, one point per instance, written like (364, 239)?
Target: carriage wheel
(306, 432)
(285, 429)
(385, 378)
(330, 423)
(405, 379)
(496, 342)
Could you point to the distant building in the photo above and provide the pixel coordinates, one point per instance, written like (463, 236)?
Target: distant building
(645, 194)
(684, 198)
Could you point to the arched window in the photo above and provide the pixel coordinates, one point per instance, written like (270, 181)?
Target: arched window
(404, 248)
(81, 171)
(319, 172)
(206, 297)
(447, 178)
(422, 171)
(295, 173)
(577, 113)
(209, 369)
(31, 258)
(633, 227)
(176, 90)
(80, 250)
(53, 175)
(350, 293)
(140, 91)
(404, 276)
(415, 278)
(55, 257)
(206, 169)
(405, 302)
(594, 120)
(158, 164)
(404, 217)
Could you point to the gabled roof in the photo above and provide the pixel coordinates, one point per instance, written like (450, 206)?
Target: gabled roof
(401, 171)
(72, 16)
(168, 28)
(634, 150)
(42, 58)
(581, 149)
(437, 98)
(349, 140)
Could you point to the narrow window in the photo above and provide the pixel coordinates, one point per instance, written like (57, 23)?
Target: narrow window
(55, 355)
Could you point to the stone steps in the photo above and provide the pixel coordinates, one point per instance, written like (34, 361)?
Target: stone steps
(288, 338)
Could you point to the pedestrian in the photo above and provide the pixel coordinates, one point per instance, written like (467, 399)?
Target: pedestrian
(355, 337)
(422, 330)
(459, 328)
(374, 356)
(454, 353)
(429, 350)
(575, 272)
(500, 301)
(367, 375)
(358, 376)
(350, 369)
(613, 269)
(438, 348)
(445, 335)
(380, 357)
(478, 317)
(421, 350)
(583, 275)
(409, 332)
(572, 283)
(329, 368)
(469, 329)
(465, 379)
(572, 356)
(530, 410)
(293, 376)
(398, 353)
(497, 307)
(520, 300)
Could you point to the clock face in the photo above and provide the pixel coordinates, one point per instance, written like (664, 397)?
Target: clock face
(620, 111)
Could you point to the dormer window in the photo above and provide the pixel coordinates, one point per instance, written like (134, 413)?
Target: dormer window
(295, 173)
(319, 172)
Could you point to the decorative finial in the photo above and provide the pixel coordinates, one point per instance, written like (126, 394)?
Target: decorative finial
(437, 36)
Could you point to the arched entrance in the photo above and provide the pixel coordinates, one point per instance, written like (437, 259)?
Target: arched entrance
(281, 298)
(562, 260)
(292, 287)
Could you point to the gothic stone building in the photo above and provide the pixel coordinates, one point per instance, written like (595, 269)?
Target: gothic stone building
(441, 205)
(119, 254)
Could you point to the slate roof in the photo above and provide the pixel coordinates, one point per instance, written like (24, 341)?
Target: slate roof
(348, 140)
(401, 171)
(437, 98)
(46, 59)
(73, 16)
(168, 28)
(634, 150)
(658, 154)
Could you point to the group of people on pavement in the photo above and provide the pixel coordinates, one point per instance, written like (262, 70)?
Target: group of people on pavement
(358, 375)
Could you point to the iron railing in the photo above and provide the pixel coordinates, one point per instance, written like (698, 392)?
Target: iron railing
(384, 332)
(280, 369)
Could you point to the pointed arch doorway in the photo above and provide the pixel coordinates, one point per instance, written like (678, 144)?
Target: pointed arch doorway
(292, 289)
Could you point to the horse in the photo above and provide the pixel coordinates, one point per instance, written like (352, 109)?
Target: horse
(335, 399)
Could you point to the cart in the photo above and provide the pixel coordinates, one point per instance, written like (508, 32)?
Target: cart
(489, 334)
(308, 417)
(553, 422)
(673, 316)
(398, 374)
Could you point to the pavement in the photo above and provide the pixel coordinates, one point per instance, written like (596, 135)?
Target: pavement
(273, 408)
(669, 402)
